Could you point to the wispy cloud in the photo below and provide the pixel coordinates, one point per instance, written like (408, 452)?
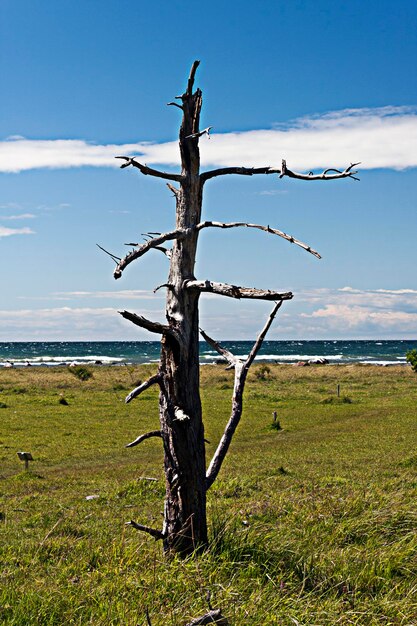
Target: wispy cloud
(22, 216)
(127, 294)
(380, 138)
(345, 313)
(361, 312)
(122, 294)
(322, 314)
(8, 232)
(66, 324)
(272, 192)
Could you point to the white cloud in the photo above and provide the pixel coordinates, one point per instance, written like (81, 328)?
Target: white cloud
(8, 232)
(273, 192)
(345, 313)
(69, 324)
(380, 138)
(127, 294)
(22, 216)
(348, 312)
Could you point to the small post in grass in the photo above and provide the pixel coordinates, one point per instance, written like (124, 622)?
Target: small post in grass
(338, 391)
(26, 457)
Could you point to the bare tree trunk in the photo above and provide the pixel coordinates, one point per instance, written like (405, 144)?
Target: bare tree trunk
(181, 424)
(185, 525)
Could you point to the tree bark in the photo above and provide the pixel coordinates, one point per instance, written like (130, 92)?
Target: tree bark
(185, 524)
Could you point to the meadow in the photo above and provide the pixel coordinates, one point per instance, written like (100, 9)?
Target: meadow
(312, 523)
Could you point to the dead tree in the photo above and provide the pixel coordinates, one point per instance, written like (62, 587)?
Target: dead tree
(181, 424)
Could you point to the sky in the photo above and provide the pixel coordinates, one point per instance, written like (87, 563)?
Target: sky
(320, 84)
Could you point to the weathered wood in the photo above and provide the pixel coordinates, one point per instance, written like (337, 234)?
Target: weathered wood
(181, 425)
(233, 291)
(242, 171)
(138, 440)
(144, 169)
(325, 175)
(156, 534)
(267, 229)
(185, 525)
(142, 387)
(212, 617)
(153, 327)
(241, 372)
(154, 243)
(284, 171)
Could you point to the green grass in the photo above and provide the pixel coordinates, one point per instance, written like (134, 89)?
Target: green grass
(313, 524)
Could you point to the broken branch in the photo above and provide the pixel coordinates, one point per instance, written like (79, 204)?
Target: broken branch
(241, 372)
(267, 229)
(138, 440)
(191, 78)
(347, 173)
(148, 170)
(143, 322)
(174, 190)
(242, 171)
(175, 104)
(152, 243)
(137, 391)
(115, 258)
(233, 291)
(258, 343)
(212, 617)
(156, 534)
(231, 358)
(284, 171)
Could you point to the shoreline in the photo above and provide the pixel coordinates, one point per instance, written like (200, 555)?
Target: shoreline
(313, 363)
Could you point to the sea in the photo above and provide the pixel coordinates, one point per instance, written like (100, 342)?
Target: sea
(50, 353)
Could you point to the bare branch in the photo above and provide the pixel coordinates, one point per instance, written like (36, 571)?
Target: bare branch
(191, 78)
(174, 190)
(231, 358)
(241, 371)
(347, 173)
(143, 322)
(167, 285)
(136, 442)
(284, 171)
(152, 243)
(242, 171)
(212, 617)
(148, 170)
(262, 335)
(175, 104)
(115, 258)
(156, 534)
(233, 291)
(153, 380)
(200, 133)
(165, 251)
(267, 229)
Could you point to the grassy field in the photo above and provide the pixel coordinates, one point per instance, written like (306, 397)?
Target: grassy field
(312, 524)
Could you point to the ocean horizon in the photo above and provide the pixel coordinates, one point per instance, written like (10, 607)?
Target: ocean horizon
(335, 351)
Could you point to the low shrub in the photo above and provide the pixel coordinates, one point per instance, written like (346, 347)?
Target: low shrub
(411, 357)
(334, 400)
(263, 372)
(81, 372)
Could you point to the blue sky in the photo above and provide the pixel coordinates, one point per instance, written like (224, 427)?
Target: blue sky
(319, 83)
